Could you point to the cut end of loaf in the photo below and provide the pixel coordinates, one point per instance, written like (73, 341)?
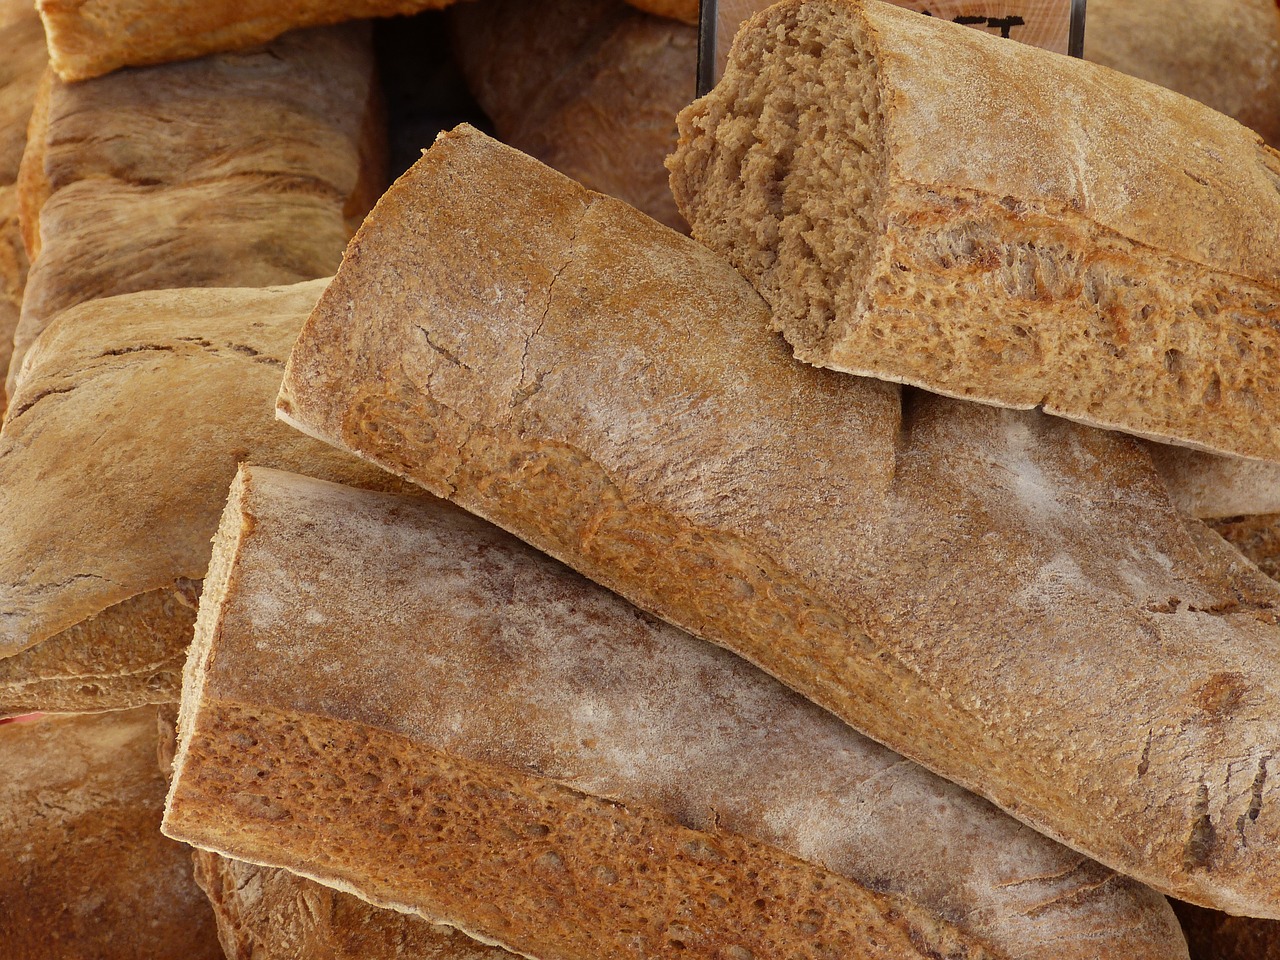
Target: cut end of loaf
(781, 167)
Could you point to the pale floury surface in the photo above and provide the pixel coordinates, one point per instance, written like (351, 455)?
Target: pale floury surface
(85, 873)
(465, 647)
(1006, 597)
(88, 38)
(163, 393)
(931, 205)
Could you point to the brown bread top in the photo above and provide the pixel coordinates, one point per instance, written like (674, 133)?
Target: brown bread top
(88, 38)
(466, 646)
(84, 872)
(160, 395)
(1224, 53)
(589, 87)
(246, 169)
(927, 204)
(942, 575)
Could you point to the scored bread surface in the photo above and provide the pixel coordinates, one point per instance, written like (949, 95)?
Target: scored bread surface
(927, 204)
(944, 576)
(490, 685)
(163, 393)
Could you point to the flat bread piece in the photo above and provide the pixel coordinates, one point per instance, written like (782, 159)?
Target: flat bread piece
(367, 666)
(85, 873)
(1008, 598)
(238, 170)
(927, 204)
(114, 466)
(88, 38)
(589, 87)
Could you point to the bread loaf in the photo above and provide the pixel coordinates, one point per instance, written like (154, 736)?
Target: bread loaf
(944, 576)
(929, 205)
(159, 395)
(556, 772)
(246, 169)
(84, 871)
(23, 63)
(88, 38)
(589, 87)
(1224, 53)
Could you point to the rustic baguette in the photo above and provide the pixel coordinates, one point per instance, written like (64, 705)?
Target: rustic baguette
(88, 38)
(589, 87)
(161, 394)
(463, 685)
(930, 205)
(84, 871)
(246, 170)
(944, 576)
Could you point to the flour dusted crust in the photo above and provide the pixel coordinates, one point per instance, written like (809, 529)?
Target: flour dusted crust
(1224, 53)
(84, 872)
(162, 394)
(88, 38)
(930, 205)
(478, 655)
(245, 169)
(945, 576)
(589, 87)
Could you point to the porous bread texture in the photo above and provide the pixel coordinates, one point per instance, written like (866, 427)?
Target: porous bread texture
(1215, 936)
(23, 64)
(927, 204)
(944, 576)
(683, 10)
(1224, 53)
(164, 393)
(1211, 487)
(589, 87)
(520, 666)
(84, 872)
(246, 170)
(88, 38)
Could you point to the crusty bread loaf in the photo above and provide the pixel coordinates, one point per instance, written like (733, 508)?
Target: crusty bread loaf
(1224, 53)
(930, 205)
(589, 87)
(498, 696)
(945, 576)
(246, 169)
(21, 66)
(88, 38)
(1215, 936)
(84, 871)
(114, 463)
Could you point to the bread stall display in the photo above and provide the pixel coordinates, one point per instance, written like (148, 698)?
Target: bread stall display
(395, 714)
(606, 767)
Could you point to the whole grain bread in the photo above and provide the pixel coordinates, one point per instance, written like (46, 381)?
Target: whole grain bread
(929, 205)
(88, 38)
(131, 417)
(467, 686)
(84, 871)
(247, 169)
(944, 576)
(22, 65)
(589, 87)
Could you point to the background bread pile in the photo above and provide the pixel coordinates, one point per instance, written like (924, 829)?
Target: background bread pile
(394, 715)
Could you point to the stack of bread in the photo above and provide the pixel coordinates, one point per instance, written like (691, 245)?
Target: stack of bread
(482, 565)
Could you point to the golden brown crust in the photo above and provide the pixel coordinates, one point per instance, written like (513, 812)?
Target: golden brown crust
(1031, 230)
(88, 38)
(589, 87)
(245, 169)
(928, 566)
(115, 607)
(1224, 53)
(84, 871)
(520, 665)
